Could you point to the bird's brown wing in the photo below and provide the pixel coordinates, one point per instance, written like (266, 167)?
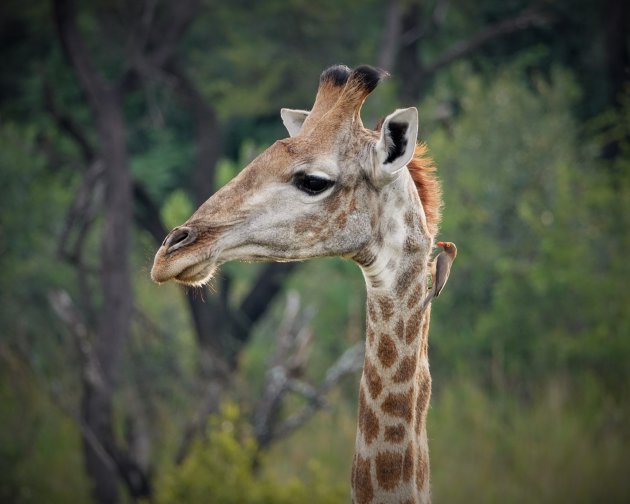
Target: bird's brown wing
(442, 270)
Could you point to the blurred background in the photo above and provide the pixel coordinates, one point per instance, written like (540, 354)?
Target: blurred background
(118, 118)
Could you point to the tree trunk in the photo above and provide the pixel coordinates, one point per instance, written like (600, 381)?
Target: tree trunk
(96, 410)
(617, 32)
(115, 317)
(616, 15)
(117, 294)
(391, 36)
(408, 64)
(115, 320)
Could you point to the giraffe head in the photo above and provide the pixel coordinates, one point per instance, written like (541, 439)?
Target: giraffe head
(314, 194)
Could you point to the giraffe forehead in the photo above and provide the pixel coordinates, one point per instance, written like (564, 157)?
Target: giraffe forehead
(288, 156)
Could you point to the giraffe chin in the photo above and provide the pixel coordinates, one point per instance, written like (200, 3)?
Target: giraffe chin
(197, 274)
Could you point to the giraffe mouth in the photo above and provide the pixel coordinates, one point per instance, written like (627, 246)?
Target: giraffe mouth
(197, 274)
(189, 269)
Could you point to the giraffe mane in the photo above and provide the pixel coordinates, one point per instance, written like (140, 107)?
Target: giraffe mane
(422, 170)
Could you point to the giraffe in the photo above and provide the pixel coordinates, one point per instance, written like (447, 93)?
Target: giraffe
(336, 188)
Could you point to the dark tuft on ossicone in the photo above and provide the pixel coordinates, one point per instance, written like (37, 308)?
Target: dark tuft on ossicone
(368, 77)
(337, 75)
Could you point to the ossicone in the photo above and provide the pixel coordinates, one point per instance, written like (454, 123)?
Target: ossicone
(337, 75)
(367, 77)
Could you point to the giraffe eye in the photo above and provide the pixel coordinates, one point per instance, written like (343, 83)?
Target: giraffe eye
(312, 184)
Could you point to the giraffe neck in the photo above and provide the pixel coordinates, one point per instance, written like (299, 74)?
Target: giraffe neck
(391, 461)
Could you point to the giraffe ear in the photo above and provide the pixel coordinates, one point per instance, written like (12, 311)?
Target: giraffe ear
(293, 119)
(397, 143)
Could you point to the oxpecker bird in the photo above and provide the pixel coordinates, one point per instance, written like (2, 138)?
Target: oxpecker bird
(441, 267)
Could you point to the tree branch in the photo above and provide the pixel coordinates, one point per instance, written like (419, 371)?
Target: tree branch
(55, 395)
(292, 345)
(286, 365)
(208, 134)
(156, 45)
(67, 124)
(147, 213)
(92, 375)
(268, 284)
(350, 362)
(164, 40)
(522, 21)
(73, 45)
(87, 200)
(64, 308)
(87, 433)
(436, 20)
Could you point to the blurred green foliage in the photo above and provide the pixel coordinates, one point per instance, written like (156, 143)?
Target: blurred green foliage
(557, 448)
(539, 226)
(529, 342)
(221, 469)
(40, 450)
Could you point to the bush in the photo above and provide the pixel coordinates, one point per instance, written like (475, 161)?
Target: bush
(220, 469)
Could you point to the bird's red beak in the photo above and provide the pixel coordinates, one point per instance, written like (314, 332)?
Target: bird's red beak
(440, 244)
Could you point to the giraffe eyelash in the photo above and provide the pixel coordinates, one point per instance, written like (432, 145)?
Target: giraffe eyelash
(312, 183)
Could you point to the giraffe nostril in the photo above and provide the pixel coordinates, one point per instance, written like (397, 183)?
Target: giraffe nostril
(179, 237)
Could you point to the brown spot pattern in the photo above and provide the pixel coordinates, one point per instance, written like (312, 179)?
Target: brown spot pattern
(413, 327)
(352, 206)
(422, 401)
(387, 307)
(387, 352)
(424, 332)
(388, 469)
(341, 220)
(406, 278)
(421, 472)
(373, 380)
(403, 282)
(361, 480)
(412, 244)
(415, 296)
(368, 421)
(409, 218)
(371, 311)
(408, 463)
(247, 180)
(303, 225)
(398, 405)
(406, 369)
(395, 433)
(332, 204)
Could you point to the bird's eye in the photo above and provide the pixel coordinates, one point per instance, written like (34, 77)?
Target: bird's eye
(311, 184)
